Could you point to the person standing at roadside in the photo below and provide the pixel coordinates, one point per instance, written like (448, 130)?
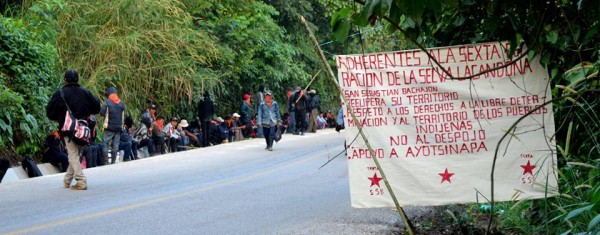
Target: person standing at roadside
(269, 118)
(340, 119)
(313, 108)
(206, 110)
(82, 104)
(259, 97)
(246, 115)
(113, 111)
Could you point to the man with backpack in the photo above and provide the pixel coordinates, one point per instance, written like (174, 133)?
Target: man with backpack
(81, 104)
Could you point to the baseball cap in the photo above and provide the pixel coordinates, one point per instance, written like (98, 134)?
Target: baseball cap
(246, 96)
(236, 115)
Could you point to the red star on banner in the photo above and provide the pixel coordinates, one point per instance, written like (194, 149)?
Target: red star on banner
(528, 168)
(375, 180)
(446, 176)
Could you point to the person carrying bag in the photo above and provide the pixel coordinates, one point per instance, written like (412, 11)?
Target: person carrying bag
(80, 103)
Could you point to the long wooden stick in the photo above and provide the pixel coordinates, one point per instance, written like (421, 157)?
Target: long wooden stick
(409, 226)
(311, 81)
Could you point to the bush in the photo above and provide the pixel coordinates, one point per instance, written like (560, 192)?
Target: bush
(26, 65)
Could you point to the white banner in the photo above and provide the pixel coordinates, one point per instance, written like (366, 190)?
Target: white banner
(435, 138)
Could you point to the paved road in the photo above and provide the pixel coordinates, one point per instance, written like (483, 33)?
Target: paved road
(237, 188)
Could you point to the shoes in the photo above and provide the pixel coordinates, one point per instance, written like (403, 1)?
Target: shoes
(266, 148)
(67, 185)
(302, 133)
(79, 187)
(270, 149)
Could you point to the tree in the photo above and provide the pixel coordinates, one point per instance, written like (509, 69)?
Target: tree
(147, 49)
(26, 65)
(253, 49)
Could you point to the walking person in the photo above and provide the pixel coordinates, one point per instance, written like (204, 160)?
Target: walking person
(113, 111)
(206, 110)
(82, 104)
(269, 119)
(291, 110)
(300, 104)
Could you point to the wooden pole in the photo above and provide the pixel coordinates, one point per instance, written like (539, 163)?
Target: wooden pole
(311, 81)
(409, 226)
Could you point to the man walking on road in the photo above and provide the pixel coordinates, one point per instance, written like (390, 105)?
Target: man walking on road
(82, 104)
(113, 111)
(269, 119)
(299, 104)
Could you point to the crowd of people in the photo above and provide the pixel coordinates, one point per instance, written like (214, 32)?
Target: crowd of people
(154, 134)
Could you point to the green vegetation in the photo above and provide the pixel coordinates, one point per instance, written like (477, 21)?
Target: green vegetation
(165, 52)
(147, 49)
(26, 64)
(564, 34)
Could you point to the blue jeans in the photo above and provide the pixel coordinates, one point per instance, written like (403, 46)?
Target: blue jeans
(126, 147)
(271, 136)
(260, 133)
(130, 149)
(91, 153)
(292, 123)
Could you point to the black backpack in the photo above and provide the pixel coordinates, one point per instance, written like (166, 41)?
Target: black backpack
(30, 166)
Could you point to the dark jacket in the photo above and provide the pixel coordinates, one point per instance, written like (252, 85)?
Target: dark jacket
(301, 103)
(56, 153)
(206, 108)
(245, 113)
(81, 102)
(314, 103)
(115, 114)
